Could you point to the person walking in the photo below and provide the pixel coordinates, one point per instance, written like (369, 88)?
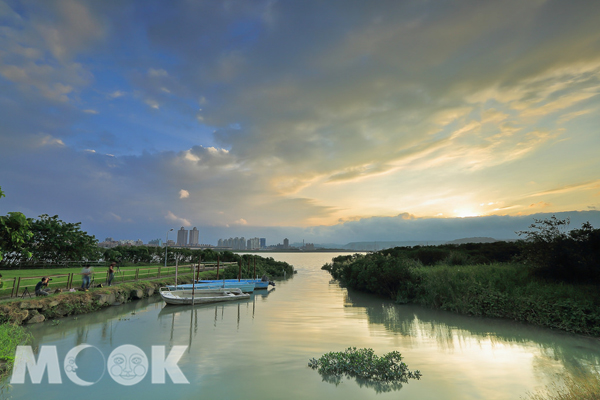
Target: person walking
(111, 272)
(86, 274)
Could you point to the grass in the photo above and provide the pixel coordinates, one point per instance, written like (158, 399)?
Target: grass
(30, 277)
(584, 387)
(508, 291)
(11, 336)
(143, 276)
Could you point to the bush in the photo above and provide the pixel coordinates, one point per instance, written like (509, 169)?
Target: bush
(495, 290)
(364, 364)
(560, 255)
(431, 255)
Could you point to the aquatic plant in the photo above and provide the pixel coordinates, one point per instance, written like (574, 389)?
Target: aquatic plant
(583, 387)
(364, 364)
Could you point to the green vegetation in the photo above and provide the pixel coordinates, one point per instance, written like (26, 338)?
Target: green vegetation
(11, 336)
(557, 254)
(14, 233)
(264, 265)
(551, 291)
(584, 387)
(365, 365)
(54, 241)
(132, 255)
(45, 240)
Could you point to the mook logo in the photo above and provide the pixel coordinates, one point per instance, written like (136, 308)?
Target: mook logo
(126, 365)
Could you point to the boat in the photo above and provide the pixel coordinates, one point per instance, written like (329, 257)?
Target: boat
(246, 287)
(204, 296)
(258, 283)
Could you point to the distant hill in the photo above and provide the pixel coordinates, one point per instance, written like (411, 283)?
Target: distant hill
(370, 246)
(380, 245)
(474, 240)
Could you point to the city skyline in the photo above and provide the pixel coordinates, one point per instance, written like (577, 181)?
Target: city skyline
(325, 121)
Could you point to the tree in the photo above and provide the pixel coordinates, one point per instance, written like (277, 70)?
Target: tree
(15, 233)
(54, 240)
(557, 253)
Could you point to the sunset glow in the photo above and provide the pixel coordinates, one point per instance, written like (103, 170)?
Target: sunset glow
(132, 118)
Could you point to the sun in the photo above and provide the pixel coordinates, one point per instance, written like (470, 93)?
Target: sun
(466, 212)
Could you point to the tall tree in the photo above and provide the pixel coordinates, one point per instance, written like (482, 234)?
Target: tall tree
(15, 234)
(55, 240)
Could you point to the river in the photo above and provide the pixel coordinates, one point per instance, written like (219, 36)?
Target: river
(259, 348)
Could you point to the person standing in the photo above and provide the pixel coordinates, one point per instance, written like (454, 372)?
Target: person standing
(111, 272)
(86, 273)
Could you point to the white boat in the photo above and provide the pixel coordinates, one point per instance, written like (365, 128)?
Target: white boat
(204, 296)
(246, 287)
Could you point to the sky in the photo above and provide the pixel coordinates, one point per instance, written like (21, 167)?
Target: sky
(323, 121)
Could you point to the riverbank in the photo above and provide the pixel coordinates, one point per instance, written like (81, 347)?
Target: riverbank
(501, 290)
(17, 312)
(38, 309)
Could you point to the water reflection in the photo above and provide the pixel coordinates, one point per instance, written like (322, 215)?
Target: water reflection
(378, 387)
(261, 346)
(451, 332)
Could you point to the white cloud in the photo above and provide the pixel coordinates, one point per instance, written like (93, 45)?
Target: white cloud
(116, 94)
(48, 140)
(156, 73)
(173, 218)
(114, 217)
(152, 103)
(184, 194)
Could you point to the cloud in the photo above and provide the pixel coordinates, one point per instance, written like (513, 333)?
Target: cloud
(152, 103)
(157, 73)
(271, 115)
(113, 216)
(184, 194)
(172, 217)
(116, 94)
(541, 204)
(48, 140)
(569, 188)
(572, 115)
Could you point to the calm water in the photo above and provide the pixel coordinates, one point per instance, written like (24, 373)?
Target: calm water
(259, 348)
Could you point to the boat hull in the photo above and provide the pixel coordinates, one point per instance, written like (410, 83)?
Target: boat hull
(179, 297)
(244, 286)
(258, 284)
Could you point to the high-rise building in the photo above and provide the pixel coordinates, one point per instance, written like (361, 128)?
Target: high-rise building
(263, 243)
(182, 237)
(155, 242)
(286, 243)
(194, 234)
(253, 244)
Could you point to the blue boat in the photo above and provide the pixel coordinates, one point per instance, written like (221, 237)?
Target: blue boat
(258, 284)
(246, 287)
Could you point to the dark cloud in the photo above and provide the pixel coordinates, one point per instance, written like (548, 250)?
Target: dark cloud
(299, 114)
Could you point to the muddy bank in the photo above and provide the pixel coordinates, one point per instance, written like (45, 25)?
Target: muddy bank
(39, 309)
